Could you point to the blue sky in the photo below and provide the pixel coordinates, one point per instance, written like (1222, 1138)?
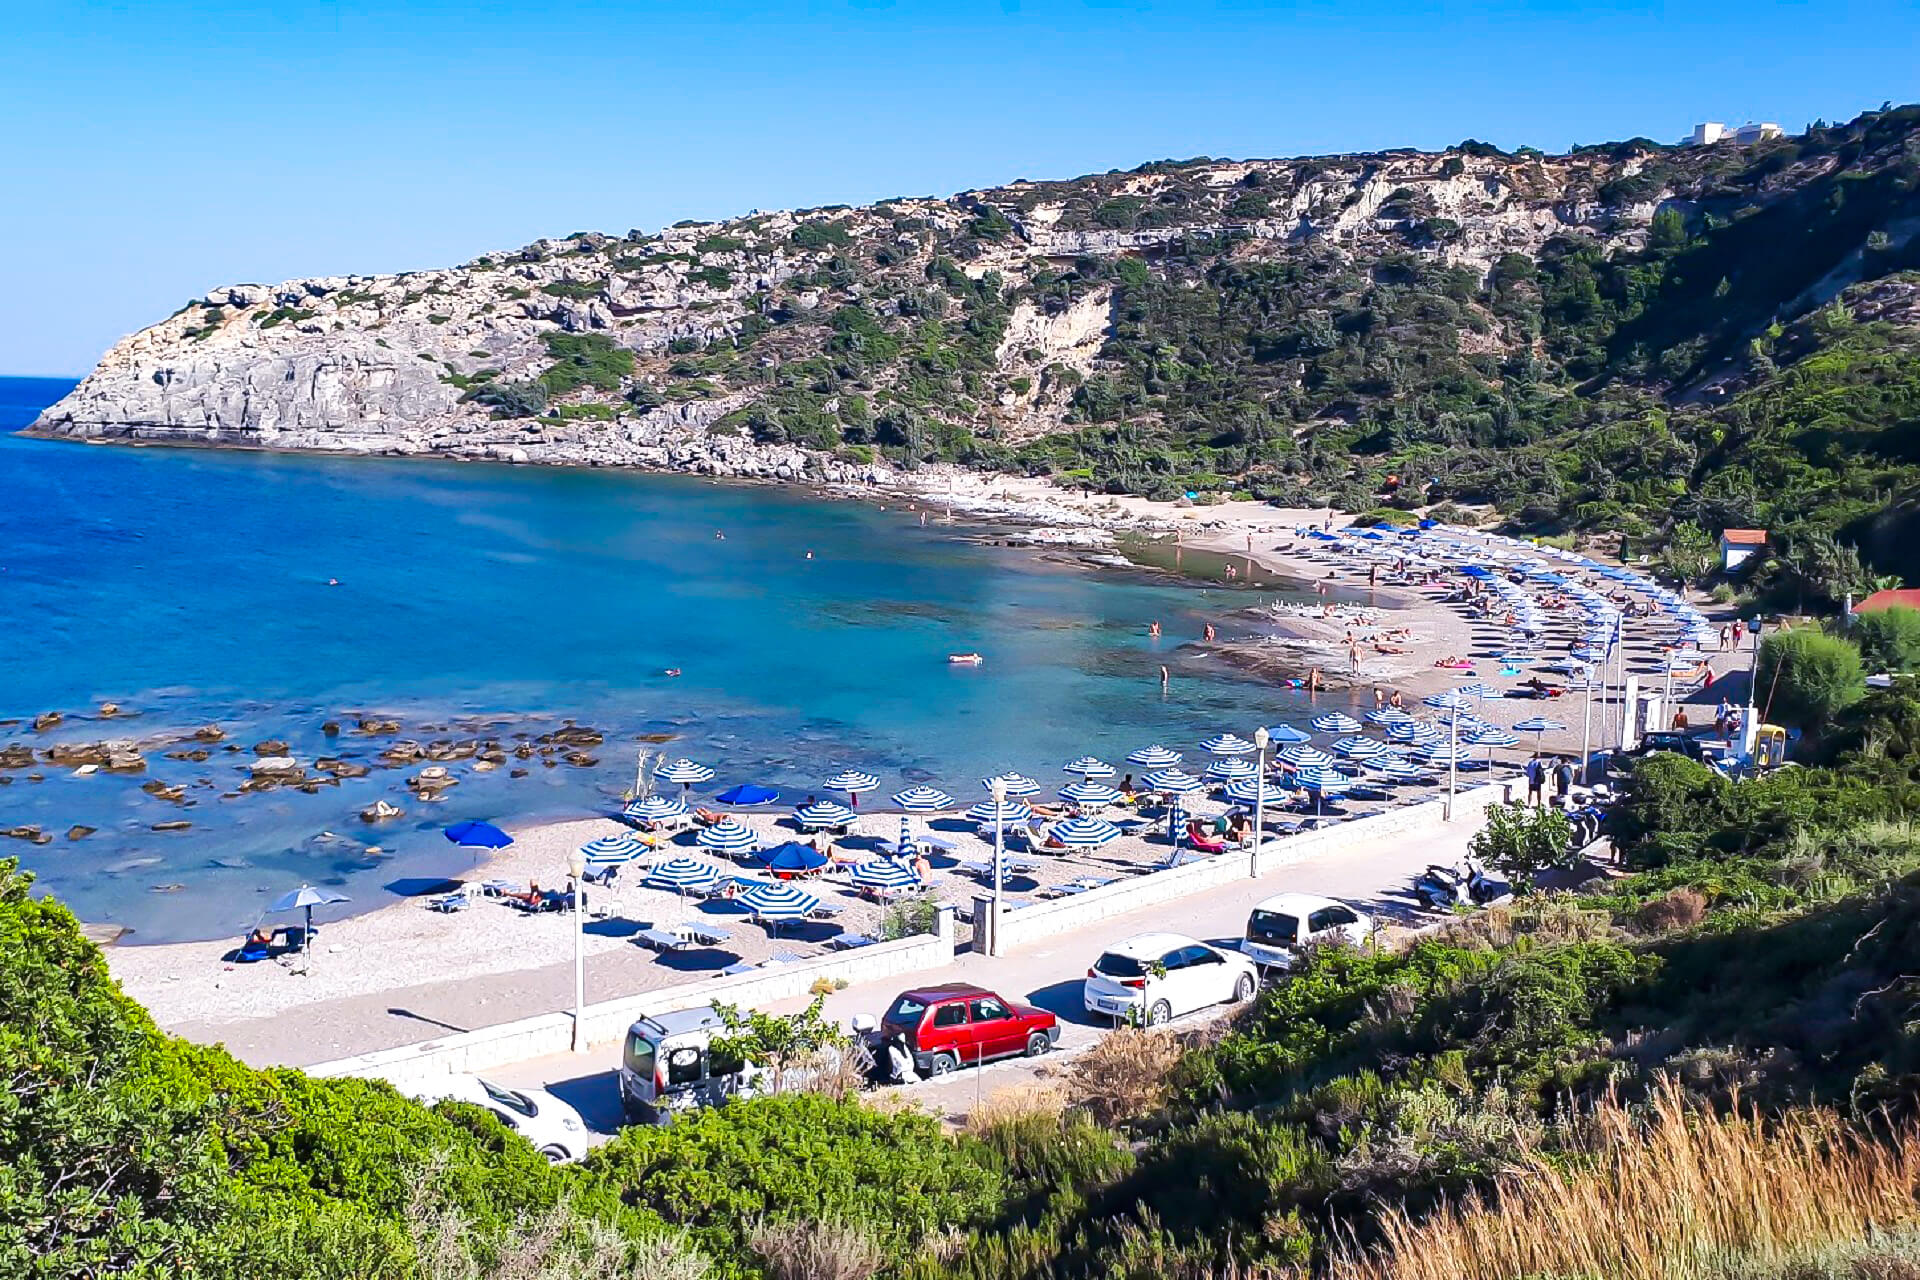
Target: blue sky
(154, 149)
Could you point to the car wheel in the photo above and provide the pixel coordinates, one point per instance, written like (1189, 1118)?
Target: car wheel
(942, 1064)
(1037, 1044)
(1160, 1012)
(1243, 989)
(554, 1154)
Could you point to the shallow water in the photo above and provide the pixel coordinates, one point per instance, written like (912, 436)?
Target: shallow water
(194, 586)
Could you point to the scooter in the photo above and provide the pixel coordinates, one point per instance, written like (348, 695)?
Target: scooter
(1442, 888)
(1588, 821)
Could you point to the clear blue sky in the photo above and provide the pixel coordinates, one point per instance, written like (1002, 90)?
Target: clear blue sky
(153, 149)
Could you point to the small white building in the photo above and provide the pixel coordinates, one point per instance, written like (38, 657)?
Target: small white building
(1737, 546)
(1709, 132)
(1705, 135)
(1748, 134)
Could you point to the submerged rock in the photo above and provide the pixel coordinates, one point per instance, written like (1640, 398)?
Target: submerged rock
(381, 811)
(46, 720)
(78, 832)
(177, 824)
(209, 733)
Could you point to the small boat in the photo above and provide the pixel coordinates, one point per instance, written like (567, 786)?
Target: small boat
(965, 659)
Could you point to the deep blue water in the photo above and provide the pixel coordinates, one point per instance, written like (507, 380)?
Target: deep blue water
(192, 586)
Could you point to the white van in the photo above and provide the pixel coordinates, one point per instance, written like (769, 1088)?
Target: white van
(1282, 925)
(665, 1066)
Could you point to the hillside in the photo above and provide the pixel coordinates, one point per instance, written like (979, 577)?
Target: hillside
(1599, 339)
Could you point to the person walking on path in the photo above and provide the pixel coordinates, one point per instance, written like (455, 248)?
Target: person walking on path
(1739, 629)
(1562, 781)
(1536, 778)
(1726, 633)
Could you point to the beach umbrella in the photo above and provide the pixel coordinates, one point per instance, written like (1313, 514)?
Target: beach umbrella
(884, 875)
(729, 835)
(747, 795)
(1538, 726)
(1013, 784)
(1231, 769)
(824, 813)
(683, 873)
(478, 835)
(792, 858)
(1398, 769)
(1154, 757)
(614, 851)
(1228, 744)
(1336, 722)
(773, 903)
(1248, 791)
(1414, 731)
(1003, 811)
(656, 809)
(1090, 767)
(1491, 736)
(851, 781)
(1176, 781)
(1083, 833)
(1302, 756)
(1286, 735)
(683, 771)
(1322, 782)
(1089, 793)
(1441, 754)
(1360, 748)
(923, 800)
(305, 899)
(1477, 691)
(1388, 715)
(1447, 700)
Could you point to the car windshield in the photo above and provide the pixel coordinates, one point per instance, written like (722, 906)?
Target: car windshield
(906, 1009)
(510, 1099)
(1273, 926)
(1115, 965)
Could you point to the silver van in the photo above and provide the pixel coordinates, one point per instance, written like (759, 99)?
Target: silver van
(666, 1066)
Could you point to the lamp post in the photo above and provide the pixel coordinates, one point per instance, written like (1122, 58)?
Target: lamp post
(999, 790)
(1453, 755)
(1586, 733)
(1260, 739)
(576, 871)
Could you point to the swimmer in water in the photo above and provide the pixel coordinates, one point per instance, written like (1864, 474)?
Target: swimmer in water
(671, 671)
(809, 555)
(1154, 630)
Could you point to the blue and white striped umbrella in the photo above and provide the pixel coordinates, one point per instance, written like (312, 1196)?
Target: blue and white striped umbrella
(1447, 700)
(1177, 781)
(1538, 724)
(1492, 736)
(656, 809)
(1477, 691)
(1089, 793)
(1336, 722)
(1227, 744)
(684, 873)
(1083, 833)
(729, 835)
(1286, 734)
(987, 811)
(923, 800)
(1359, 748)
(1388, 715)
(888, 875)
(1090, 767)
(851, 781)
(685, 772)
(1327, 781)
(1154, 757)
(614, 851)
(779, 901)
(1301, 756)
(824, 813)
(1398, 769)
(1231, 769)
(1013, 784)
(1415, 731)
(1248, 791)
(1441, 754)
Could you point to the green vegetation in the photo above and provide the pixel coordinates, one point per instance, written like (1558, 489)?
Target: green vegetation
(1807, 677)
(282, 315)
(584, 360)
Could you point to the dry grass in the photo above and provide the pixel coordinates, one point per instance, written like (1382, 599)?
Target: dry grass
(1549, 919)
(1672, 1192)
(1017, 1104)
(829, 1250)
(1127, 1077)
(1679, 909)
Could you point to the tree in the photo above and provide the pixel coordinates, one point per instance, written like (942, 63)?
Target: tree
(1519, 840)
(1689, 552)
(1807, 677)
(782, 1045)
(1889, 639)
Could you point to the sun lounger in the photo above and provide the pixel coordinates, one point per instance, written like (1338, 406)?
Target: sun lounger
(705, 934)
(449, 903)
(849, 941)
(661, 940)
(253, 950)
(739, 967)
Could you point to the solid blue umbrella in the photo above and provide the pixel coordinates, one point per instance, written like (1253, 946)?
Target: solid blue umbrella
(1231, 769)
(1004, 811)
(1083, 833)
(1286, 734)
(1228, 744)
(684, 873)
(685, 772)
(923, 800)
(774, 903)
(656, 809)
(824, 813)
(1013, 784)
(793, 858)
(1336, 722)
(885, 875)
(614, 851)
(747, 795)
(305, 899)
(1090, 767)
(478, 835)
(1089, 793)
(1177, 781)
(1154, 757)
(729, 835)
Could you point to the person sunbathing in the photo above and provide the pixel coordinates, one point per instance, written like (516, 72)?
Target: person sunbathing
(1387, 648)
(707, 817)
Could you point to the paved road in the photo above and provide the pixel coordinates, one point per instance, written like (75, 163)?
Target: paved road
(1374, 875)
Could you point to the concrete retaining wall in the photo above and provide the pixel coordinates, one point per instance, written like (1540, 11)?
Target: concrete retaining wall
(605, 1023)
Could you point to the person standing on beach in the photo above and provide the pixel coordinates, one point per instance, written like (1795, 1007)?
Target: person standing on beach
(1563, 781)
(1353, 656)
(1536, 778)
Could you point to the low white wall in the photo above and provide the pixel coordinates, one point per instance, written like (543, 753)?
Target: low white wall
(605, 1023)
(1063, 915)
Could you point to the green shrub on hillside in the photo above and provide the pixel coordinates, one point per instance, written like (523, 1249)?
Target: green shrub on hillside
(1806, 677)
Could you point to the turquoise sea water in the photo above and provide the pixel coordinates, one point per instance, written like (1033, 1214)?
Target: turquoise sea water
(193, 586)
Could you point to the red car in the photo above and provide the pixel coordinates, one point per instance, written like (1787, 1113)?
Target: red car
(957, 1023)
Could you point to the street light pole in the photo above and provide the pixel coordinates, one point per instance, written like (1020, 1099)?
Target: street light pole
(1260, 739)
(576, 871)
(999, 789)
(1453, 755)
(1586, 732)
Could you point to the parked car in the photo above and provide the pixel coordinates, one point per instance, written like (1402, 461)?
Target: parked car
(554, 1128)
(1281, 926)
(1156, 976)
(666, 1066)
(959, 1024)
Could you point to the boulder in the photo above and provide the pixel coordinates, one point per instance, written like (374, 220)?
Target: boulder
(46, 720)
(78, 832)
(209, 733)
(17, 756)
(381, 811)
(271, 748)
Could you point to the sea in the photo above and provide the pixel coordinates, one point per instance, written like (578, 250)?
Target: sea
(773, 634)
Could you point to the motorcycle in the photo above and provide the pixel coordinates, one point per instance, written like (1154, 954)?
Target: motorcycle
(1442, 888)
(1588, 821)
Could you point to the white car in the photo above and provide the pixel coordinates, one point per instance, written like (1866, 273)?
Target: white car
(1281, 925)
(1157, 976)
(554, 1128)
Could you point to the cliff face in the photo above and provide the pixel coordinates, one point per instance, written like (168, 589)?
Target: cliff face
(924, 328)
